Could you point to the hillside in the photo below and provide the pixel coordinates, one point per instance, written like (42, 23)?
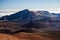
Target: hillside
(7, 37)
(31, 36)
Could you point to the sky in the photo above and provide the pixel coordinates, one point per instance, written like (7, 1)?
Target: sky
(15, 5)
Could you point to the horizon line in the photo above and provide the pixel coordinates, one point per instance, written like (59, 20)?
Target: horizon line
(56, 10)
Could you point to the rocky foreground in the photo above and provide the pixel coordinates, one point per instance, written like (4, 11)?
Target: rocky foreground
(30, 36)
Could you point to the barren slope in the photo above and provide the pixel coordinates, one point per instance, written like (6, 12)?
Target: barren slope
(31, 36)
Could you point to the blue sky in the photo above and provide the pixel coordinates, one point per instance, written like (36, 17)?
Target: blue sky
(11, 6)
(29, 4)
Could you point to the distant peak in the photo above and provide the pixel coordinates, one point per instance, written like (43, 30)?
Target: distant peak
(25, 10)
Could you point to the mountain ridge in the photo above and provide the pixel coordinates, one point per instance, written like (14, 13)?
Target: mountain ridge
(44, 21)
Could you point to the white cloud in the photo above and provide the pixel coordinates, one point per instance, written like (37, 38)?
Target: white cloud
(8, 11)
(11, 11)
(51, 10)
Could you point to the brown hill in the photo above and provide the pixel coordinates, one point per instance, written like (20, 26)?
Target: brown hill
(39, 36)
(7, 37)
(31, 36)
